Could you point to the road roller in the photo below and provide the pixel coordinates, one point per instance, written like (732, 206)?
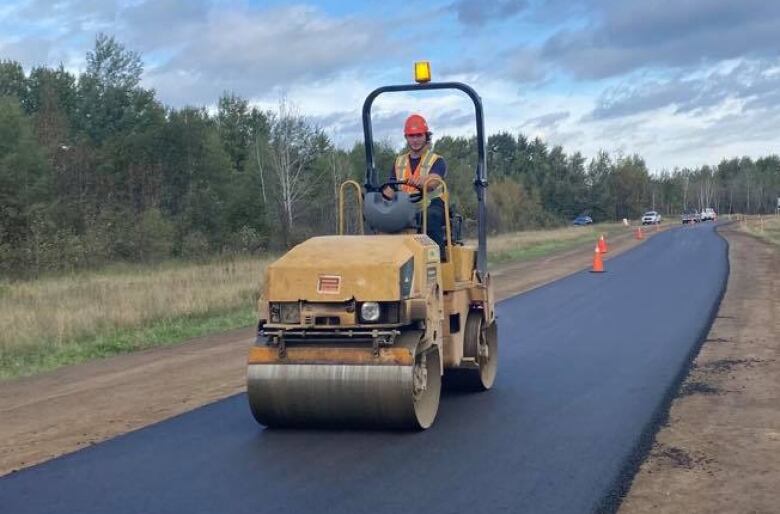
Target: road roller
(361, 329)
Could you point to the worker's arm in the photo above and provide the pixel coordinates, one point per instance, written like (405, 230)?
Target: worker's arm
(439, 168)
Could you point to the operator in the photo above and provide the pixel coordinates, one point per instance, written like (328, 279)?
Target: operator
(413, 167)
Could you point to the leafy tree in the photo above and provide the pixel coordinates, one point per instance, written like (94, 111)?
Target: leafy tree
(501, 154)
(600, 188)
(52, 102)
(13, 82)
(111, 65)
(154, 236)
(24, 173)
(235, 128)
(630, 179)
(196, 184)
(109, 92)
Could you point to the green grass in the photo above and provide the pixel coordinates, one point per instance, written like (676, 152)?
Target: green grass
(535, 251)
(557, 241)
(30, 359)
(58, 320)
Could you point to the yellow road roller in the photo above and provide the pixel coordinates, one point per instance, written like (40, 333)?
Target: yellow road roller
(357, 330)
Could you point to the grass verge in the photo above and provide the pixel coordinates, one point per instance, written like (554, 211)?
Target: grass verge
(53, 321)
(523, 246)
(763, 227)
(57, 321)
(31, 359)
(534, 251)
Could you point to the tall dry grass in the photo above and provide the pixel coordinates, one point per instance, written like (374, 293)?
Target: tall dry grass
(508, 242)
(766, 227)
(62, 309)
(63, 313)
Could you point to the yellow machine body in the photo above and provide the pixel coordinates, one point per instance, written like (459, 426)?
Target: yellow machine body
(324, 365)
(365, 268)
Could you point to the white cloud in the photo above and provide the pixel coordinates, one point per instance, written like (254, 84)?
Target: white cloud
(685, 115)
(250, 52)
(664, 137)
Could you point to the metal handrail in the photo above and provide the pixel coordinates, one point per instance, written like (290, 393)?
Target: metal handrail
(359, 190)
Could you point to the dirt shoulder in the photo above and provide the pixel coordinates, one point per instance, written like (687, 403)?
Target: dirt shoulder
(720, 449)
(58, 412)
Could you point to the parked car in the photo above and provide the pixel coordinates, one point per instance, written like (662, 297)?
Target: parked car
(651, 218)
(582, 220)
(708, 214)
(690, 216)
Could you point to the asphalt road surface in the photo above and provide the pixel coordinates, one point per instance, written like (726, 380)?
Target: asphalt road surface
(588, 365)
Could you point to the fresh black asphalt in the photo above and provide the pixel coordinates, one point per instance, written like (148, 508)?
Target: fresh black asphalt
(587, 367)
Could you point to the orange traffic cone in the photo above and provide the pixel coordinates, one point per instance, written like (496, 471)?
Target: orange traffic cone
(598, 264)
(638, 234)
(602, 245)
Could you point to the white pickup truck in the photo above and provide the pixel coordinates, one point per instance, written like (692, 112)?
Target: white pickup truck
(708, 214)
(651, 218)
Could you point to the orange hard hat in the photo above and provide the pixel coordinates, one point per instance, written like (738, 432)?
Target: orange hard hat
(415, 124)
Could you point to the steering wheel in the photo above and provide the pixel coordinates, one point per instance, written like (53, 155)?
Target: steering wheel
(413, 197)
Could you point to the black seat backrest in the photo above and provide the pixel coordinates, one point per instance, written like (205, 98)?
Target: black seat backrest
(390, 216)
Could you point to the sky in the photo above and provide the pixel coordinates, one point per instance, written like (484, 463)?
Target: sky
(680, 82)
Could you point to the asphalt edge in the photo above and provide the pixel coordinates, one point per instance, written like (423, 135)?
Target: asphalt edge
(617, 491)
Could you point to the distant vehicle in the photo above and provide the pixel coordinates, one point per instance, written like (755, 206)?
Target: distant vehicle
(708, 214)
(690, 216)
(651, 218)
(582, 220)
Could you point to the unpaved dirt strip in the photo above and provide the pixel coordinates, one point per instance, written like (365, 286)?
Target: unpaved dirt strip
(48, 415)
(720, 449)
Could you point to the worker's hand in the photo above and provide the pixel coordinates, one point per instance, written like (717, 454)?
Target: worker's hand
(415, 181)
(388, 192)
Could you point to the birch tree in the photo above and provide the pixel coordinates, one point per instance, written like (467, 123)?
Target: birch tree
(706, 187)
(294, 146)
(258, 144)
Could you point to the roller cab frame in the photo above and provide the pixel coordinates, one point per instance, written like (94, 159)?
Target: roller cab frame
(358, 330)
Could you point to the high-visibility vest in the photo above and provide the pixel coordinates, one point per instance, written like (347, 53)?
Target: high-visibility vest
(403, 170)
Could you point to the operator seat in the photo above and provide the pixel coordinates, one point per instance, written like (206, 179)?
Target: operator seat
(390, 216)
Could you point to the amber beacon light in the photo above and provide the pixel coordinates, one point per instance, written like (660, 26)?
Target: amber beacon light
(422, 71)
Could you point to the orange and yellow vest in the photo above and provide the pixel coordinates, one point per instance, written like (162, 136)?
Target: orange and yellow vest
(403, 171)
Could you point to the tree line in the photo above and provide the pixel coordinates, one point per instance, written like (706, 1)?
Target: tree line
(95, 169)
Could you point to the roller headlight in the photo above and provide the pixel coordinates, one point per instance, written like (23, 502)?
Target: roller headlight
(288, 313)
(370, 312)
